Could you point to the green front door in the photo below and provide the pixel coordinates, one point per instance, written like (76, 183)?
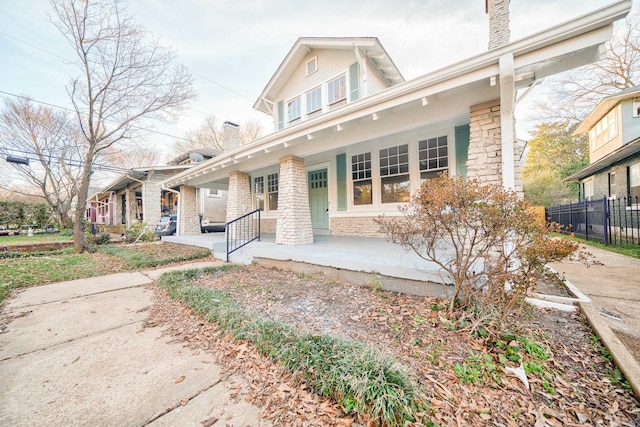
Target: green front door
(319, 199)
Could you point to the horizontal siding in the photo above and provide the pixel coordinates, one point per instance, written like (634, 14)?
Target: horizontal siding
(330, 63)
(375, 82)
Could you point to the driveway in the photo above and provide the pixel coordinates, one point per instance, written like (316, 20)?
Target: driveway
(77, 353)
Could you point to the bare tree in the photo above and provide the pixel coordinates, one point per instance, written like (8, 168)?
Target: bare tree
(48, 139)
(210, 135)
(131, 157)
(575, 93)
(126, 78)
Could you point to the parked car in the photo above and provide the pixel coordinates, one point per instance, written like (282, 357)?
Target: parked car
(166, 226)
(206, 226)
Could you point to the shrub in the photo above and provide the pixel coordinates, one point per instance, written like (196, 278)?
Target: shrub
(487, 243)
(100, 239)
(138, 233)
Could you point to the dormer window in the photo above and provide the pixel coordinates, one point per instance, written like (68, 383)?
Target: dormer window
(294, 111)
(312, 65)
(337, 91)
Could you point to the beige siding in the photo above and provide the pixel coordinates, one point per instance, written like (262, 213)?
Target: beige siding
(375, 82)
(330, 64)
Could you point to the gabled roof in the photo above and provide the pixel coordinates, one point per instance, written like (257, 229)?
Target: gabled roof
(368, 46)
(139, 174)
(610, 159)
(207, 153)
(604, 107)
(536, 56)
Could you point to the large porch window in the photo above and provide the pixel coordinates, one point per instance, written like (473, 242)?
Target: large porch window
(272, 190)
(433, 155)
(394, 174)
(361, 175)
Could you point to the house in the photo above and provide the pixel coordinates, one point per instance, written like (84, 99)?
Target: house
(138, 195)
(614, 149)
(353, 139)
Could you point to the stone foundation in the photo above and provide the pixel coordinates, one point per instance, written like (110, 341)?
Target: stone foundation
(268, 225)
(355, 226)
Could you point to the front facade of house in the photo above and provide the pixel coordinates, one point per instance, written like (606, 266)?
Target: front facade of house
(353, 140)
(614, 149)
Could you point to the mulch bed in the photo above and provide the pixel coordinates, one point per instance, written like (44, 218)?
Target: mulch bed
(414, 331)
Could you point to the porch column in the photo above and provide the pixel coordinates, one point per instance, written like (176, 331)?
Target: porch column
(130, 197)
(151, 203)
(188, 221)
(116, 214)
(294, 216)
(239, 196)
(485, 138)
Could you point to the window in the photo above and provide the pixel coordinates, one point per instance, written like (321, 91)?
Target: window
(258, 191)
(314, 102)
(361, 176)
(636, 107)
(634, 183)
(337, 91)
(605, 130)
(433, 155)
(214, 193)
(587, 190)
(612, 185)
(312, 65)
(272, 190)
(293, 111)
(394, 173)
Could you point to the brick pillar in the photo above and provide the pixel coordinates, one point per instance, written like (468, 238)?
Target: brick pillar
(151, 203)
(131, 207)
(239, 196)
(294, 216)
(116, 215)
(485, 146)
(188, 221)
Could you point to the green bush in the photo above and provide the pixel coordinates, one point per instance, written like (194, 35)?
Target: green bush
(100, 239)
(138, 233)
(357, 377)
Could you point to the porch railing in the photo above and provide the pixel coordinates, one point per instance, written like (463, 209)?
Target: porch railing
(613, 221)
(242, 231)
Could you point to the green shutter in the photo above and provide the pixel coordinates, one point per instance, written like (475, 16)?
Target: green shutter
(462, 149)
(354, 81)
(341, 174)
(280, 115)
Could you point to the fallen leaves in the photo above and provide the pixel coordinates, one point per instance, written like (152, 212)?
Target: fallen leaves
(412, 329)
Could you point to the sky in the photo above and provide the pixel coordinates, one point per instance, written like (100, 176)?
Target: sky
(234, 47)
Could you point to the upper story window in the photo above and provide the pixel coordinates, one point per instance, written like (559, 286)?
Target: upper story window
(314, 102)
(433, 155)
(312, 65)
(394, 174)
(294, 111)
(604, 130)
(337, 92)
(636, 107)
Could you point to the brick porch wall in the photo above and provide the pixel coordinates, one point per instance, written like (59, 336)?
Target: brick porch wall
(268, 225)
(355, 226)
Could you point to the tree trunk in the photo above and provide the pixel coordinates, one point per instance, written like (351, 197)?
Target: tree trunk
(81, 206)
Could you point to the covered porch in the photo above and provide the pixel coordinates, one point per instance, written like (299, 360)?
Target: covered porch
(366, 261)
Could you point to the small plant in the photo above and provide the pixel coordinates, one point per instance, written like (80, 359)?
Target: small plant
(376, 284)
(101, 239)
(477, 368)
(138, 232)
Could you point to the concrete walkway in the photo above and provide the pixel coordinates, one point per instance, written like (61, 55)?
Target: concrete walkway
(612, 290)
(76, 353)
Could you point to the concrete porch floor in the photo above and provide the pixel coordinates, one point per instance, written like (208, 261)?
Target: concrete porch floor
(361, 260)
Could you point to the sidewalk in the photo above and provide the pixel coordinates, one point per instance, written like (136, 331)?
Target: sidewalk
(76, 353)
(613, 288)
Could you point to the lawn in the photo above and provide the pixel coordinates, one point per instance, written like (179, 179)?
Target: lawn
(628, 250)
(36, 238)
(24, 270)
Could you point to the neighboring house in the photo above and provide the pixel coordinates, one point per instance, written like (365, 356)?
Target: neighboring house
(138, 196)
(353, 140)
(614, 149)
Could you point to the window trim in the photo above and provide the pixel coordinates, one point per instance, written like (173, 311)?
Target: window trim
(601, 133)
(339, 101)
(393, 160)
(367, 175)
(270, 192)
(313, 60)
(292, 121)
(438, 159)
(317, 111)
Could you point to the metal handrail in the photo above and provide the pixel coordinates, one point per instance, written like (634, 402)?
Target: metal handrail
(242, 231)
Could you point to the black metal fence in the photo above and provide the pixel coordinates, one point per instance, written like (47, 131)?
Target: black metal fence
(607, 220)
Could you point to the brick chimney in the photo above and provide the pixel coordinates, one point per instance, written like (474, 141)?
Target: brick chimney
(231, 136)
(499, 32)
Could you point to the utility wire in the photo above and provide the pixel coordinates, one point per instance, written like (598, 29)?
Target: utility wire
(31, 155)
(106, 120)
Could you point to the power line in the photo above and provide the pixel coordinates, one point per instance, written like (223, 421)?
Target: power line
(106, 120)
(32, 155)
(34, 46)
(220, 85)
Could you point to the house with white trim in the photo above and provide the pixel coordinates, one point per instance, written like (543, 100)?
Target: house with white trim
(614, 149)
(353, 139)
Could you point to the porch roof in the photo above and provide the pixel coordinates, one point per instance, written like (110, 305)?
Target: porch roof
(618, 155)
(138, 175)
(559, 48)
